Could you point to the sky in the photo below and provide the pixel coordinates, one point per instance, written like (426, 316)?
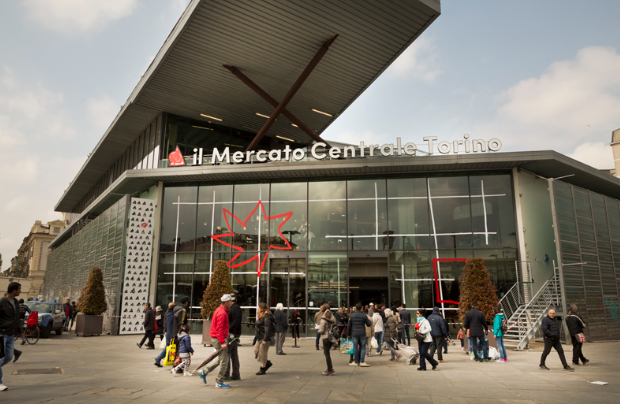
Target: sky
(539, 75)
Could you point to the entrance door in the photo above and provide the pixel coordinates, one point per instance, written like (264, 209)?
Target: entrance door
(287, 285)
(368, 280)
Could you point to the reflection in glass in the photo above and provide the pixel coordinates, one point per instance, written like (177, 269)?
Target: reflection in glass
(290, 197)
(327, 216)
(450, 274)
(450, 210)
(212, 200)
(178, 226)
(418, 288)
(368, 216)
(246, 200)
(408, 214)
(327, 279)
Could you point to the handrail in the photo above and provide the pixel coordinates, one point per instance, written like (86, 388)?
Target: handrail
(509, 302)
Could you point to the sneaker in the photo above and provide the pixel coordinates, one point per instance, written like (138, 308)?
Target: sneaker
(203, 376)
(3, 387)
(158, 365)
(434, 367)
(328, 373)
(392, 360)
(499, 360)
(569, 369)
(352, 364)
(17, 355)
(222, 385)
(543, 367)
(186, 373)
(398, 358)
(364, 365)
(586, 361)
(174, 372)
(576, 364)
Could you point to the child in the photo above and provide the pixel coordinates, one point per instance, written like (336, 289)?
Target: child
(460, 336)
(185, 351)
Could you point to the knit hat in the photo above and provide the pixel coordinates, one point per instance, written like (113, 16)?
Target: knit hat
(436, 309)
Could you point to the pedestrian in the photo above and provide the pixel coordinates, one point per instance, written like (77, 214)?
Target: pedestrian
(75, 312)
(234, 328)
(68, 313)
(357, 325)
(9, 324)
(317, 321)
(180, 316)
(382, 314)
(377, 323)
(445, 341)
(149, 326)
(168, 326)
(281, 328)
(424, 328)
(159, 319)
(391, 333)
(185, 352)
(438, 332)
(460, 337)
(405, 317)
(476, 326)
(551, 332)
(23, 309)
(326, 321)
(294, 321)
(498, 333)
(370, 332)
(219, 333)
(399, 324)
(341, 319)
(575, 325)
(265, 330)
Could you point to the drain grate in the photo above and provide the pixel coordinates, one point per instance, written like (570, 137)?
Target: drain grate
(51, 371)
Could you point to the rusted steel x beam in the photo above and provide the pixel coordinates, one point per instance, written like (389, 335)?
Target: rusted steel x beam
(291, 92)
(248, 82)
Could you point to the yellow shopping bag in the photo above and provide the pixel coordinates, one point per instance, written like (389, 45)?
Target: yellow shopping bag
(171, 351)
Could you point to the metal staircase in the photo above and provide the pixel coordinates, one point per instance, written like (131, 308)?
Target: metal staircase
(525, 315)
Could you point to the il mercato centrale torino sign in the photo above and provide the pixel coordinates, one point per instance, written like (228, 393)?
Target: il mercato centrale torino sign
(363, 150)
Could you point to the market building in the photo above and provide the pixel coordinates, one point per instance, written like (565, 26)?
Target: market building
(217, 155)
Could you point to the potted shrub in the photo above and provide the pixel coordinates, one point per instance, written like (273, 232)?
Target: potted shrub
(476, 286)
(91, 305)
(219, 285)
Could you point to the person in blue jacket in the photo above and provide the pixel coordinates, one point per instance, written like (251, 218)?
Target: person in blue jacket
(498, 321)
(168, 325)
(185, 351)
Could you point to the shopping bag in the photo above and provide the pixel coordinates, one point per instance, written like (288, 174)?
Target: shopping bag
(346, 344)
(373, 343)
(580, 337)
(162, 344)
(493, 353)
(171, 351)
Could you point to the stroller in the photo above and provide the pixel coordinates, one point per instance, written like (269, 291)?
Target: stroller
(410, 353)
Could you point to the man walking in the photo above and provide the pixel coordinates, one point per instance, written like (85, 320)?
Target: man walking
(218, 334)
(551, 332)
(357, 328)
(438, 332)
(180, 316)
(168, 325)
(9, 324)
(149, 326)
(476, 326)
(68, 308)
(281, 328)
(575, 325)
(234, 328)
(405, 317)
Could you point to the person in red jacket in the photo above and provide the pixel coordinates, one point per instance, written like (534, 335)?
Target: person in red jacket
(218, 334)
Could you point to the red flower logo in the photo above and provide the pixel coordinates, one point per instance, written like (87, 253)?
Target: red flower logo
(176, 158)
(259, 264)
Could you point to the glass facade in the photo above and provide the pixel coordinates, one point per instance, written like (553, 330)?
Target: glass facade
(327, 227)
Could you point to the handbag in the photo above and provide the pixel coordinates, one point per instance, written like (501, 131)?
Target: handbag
(419, 337)
(580, 337)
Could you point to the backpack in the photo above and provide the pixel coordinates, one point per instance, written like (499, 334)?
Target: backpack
(504, 326)
(333, 332)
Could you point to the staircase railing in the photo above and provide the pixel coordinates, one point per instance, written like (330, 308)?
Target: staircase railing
(511, 301)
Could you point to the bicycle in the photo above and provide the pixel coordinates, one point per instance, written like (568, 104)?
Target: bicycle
(32, 334)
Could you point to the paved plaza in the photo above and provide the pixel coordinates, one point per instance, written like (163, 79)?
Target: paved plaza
(111, 369)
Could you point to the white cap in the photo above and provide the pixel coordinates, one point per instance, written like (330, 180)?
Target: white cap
(226, 298)
(372, 304)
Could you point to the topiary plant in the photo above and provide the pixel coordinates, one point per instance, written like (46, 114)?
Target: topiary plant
(220, 285)
(476, 286)
(92, 299)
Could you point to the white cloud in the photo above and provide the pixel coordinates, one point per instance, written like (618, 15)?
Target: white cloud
(574, 102)
(597, 155)
(101, 112)
(178, 6)
(77, 16)
(419, 61)
(368, 137)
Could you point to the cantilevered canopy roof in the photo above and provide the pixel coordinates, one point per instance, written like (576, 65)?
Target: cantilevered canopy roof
(271, 42)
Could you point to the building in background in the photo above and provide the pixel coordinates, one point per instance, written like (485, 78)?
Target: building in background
(615, 147)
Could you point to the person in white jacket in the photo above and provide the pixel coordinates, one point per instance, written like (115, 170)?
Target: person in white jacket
(423, 327)
(377, 323)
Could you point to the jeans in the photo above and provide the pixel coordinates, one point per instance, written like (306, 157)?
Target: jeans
(577, 351)
(424, 355)
(327, 346)
(382, 334)
(222, 361)
(469, 345)
(378, 338)
(318, 337)
(437, 344)
(445, 345)
(233, 359)
(557, 345)
(9, 346)
(478, 343)
(72, 320)
(406, 330)
(359, 354)
(162, 355)
(501, 348)
(67, 320)
(390, 345)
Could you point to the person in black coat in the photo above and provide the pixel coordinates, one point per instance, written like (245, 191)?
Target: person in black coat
(356, 328)
(551, 332)
(168, 325)
(294, 321)
(438, 332)
(234, 329)
(405, 318)
(159, 319)
(265, 330)
(575, 325)
(281, 328)
(149, 326)
(476, 326)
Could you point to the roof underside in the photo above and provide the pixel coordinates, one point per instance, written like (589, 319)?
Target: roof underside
(271, 42)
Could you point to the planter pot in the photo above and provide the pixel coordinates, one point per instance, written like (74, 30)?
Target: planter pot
(206, 327)
(86, 325)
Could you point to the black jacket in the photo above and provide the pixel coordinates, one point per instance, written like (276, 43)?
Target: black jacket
(575, 324)
(234, 320)
(405, 317)
(550, 328)
(382, 314)
(475, 322)
(180, 318)
(160, 322)
(281, 321)
(265, 328)
(341, 319)
(9, 317)
(438, 325)
(357, 324)
(149, 320)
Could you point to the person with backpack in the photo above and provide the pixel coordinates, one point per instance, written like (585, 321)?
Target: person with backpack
(575, 326)
(168, 326)
(265, 330)
(327, 324)
(500, 327)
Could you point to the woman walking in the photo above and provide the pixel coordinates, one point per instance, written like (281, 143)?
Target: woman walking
(391, 334)
(325, 323)
(159, 319)
(423, 327)
(498, 334)
(370, 331)
(377, 323)
(265, 330)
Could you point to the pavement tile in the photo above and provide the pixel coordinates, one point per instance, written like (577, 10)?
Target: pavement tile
(413, 399)
(345, 396)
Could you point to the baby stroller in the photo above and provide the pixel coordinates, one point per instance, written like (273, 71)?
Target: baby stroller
(410, 353)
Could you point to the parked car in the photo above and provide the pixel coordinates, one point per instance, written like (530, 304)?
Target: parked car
(51, 317)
